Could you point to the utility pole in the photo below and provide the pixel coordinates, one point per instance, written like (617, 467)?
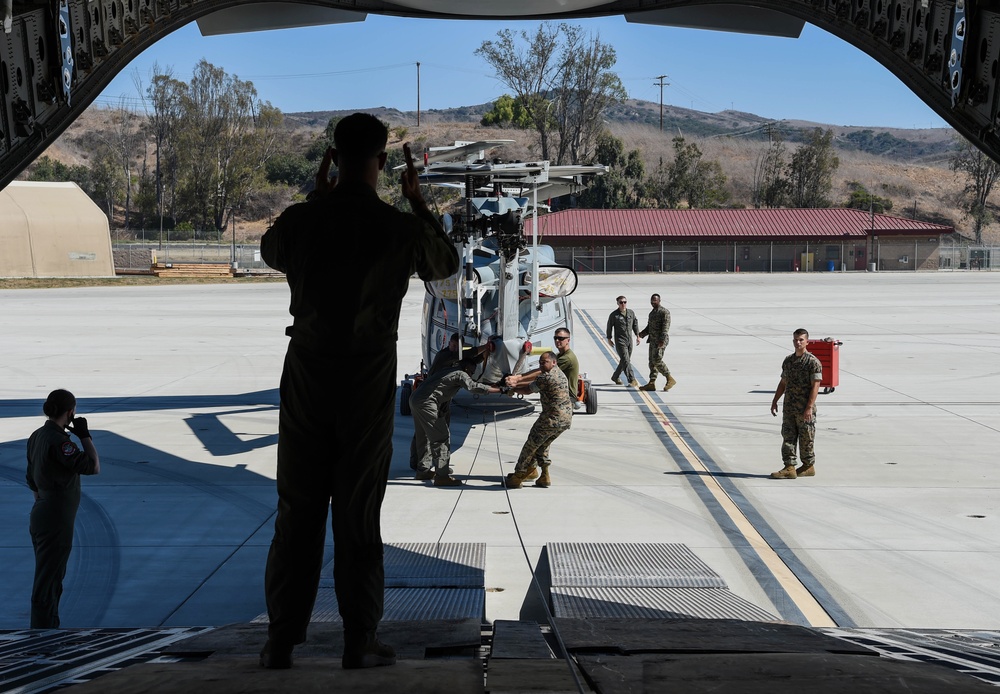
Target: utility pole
(418, 94)
(661, 83)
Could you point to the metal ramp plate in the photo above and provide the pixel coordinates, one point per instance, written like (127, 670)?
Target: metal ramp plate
(974, 652)
(37, 660)
(412, 604)
(641, 581)
(654, 565)
(429, 565)
(423, 581)
(654, 603)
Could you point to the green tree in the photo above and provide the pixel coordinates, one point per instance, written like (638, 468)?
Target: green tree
(163, 99)
(586, 87)
(810, 173)
(981, 175)
(47, 169)
(621, 186)
(507, 112)
(860, 198)
(768, 188)
(528, 65)
(228, 135)
(688, 178)
(290, 169)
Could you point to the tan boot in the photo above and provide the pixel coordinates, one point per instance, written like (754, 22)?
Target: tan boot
(532, 474)
(649, 386)
(785, 473)
(806, 471)
(514, 479)
(670, 383)
(634, 383)
(544, 480)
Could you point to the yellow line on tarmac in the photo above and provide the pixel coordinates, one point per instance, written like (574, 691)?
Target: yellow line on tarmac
(793, 587)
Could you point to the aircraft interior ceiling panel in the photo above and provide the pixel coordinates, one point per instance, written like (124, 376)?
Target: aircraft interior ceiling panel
(18, 100)
(7, 42)
(985, 51)
(79, 29)
(40, 53)
(111, 14)
(880, 19)
(900, 15)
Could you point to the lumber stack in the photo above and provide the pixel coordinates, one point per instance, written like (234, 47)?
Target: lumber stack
(192, 270)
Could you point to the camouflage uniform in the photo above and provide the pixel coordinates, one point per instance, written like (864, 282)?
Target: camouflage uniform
(444, 359)
(429, 405)
(335, 459)
(799, 374)
(556, 417)
(658, 328)
(623, 325)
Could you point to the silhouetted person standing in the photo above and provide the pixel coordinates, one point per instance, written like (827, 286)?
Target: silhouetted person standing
(348, 258)
(55, 464)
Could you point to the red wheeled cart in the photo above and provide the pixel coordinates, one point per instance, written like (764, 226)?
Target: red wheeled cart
(827, 351)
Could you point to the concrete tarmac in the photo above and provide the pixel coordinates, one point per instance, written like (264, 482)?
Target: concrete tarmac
(179, 384)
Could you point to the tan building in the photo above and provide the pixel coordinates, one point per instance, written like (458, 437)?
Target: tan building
(747, 240)
(52, 230)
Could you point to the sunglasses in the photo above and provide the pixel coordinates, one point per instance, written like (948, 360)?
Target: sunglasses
(561, 338)
(622, 302)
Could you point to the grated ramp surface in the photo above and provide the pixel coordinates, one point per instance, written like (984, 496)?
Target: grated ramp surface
(654, 565)
(655, 603)
(407, 604)
(34, 660)
(429, 565)
(423, 581)
(973, 652)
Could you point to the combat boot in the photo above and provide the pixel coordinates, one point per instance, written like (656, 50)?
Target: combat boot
(366, 651)
(670, 383)
(544, 480)
(785, 473)
(514, 479)
(806, 471)
(532, 474)
(275, 656)
(649, 386)
(447, 481)
(634, 383)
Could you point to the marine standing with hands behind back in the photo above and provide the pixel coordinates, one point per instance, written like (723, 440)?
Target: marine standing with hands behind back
(622, 325)
(800, 376)
(343, 340)
(55, 464)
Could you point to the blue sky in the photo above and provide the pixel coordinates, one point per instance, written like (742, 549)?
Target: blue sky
(816, 77)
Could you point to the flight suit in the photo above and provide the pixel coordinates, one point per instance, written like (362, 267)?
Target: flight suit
(555, 418)
(657, 328)
(623, 325)
(348, 257)
(55, 464)
(428, 405)
(799, 374)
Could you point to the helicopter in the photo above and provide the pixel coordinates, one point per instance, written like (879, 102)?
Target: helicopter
(509, 294)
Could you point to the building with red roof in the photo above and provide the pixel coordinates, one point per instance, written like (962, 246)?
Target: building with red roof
(742, 240)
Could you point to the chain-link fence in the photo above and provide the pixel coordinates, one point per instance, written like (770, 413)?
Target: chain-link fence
(142, 256)
(962, 257)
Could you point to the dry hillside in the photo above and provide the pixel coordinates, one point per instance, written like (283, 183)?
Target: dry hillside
(916, 175)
